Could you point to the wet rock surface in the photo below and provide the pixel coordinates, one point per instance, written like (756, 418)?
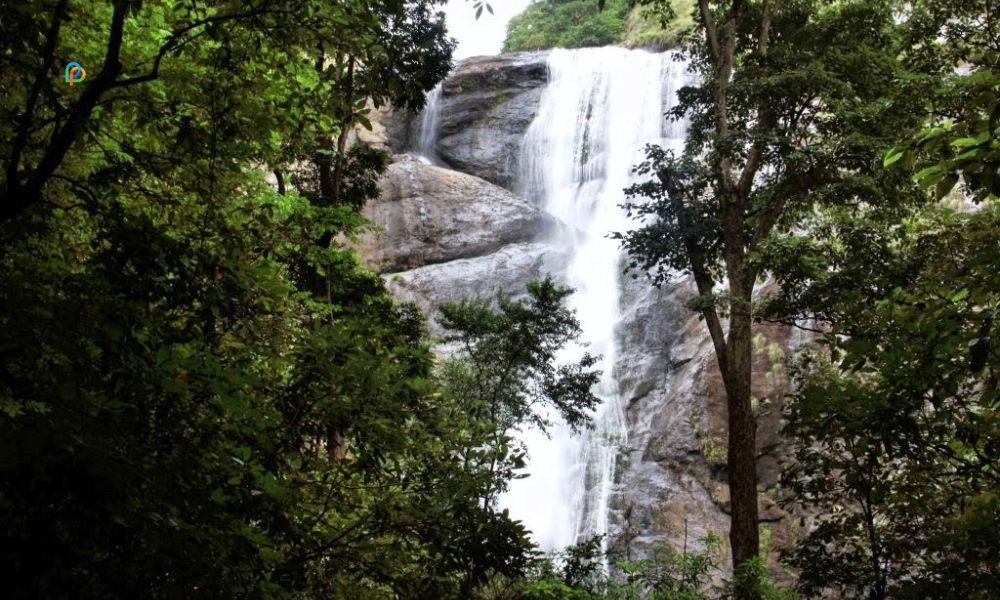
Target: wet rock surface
(389, 128)
(474, 240)
(671, 473)
(486, 106)
(428, 215)
(506, 271)
(663, 474)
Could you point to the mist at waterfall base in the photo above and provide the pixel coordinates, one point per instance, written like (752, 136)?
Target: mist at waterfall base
(600, 108)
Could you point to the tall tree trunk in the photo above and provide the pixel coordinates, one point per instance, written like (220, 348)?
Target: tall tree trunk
(742, 446)
(324, 165)
(734, 354)
(742, 443)
(330, 166)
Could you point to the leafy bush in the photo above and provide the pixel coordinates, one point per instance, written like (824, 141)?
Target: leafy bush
(586, 572)
(657, 25)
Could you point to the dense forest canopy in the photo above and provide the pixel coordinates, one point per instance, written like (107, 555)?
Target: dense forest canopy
(787, 175)
(582, 23)
(203, 393)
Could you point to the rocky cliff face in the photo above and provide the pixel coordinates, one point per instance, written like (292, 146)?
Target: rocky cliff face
(486, 106)
(448, 234)
(506, 271)
(673, 471)
(429, 215)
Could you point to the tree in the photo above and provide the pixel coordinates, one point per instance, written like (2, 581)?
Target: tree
(397, 49)
(895, 425)
(796, 104)
(579, 573)
(572, 24)
(961, 143)
(167, 392)
(169, 374)
(504, 368)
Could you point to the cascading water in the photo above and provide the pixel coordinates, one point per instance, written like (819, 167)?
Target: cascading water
(600, 108)
(430, 124)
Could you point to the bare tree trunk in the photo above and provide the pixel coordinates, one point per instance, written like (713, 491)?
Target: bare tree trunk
(742, 451)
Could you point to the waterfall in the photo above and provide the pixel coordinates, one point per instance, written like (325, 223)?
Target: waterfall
(430, 125)
(601, 106)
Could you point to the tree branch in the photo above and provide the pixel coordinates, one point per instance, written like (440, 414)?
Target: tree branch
(345, 130)
(16, 198)
(723, 76)
(765, 114)
(711, 32)
(786, 190)
(177, 39)
(699, 262)
(79, 113)
(24, 125)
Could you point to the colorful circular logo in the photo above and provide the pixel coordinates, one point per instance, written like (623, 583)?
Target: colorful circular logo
(74, 73)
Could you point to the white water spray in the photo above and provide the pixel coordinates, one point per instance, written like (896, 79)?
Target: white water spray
(600, 108)
(430, 125)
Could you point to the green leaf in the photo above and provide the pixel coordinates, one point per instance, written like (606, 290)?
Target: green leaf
(945, 186)
(964, 142)
(927, 175)
(892, 156)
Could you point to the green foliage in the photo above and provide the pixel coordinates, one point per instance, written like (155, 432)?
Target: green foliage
(668, 575)
(579, 573)
(580, 23)
(896, 438)
(510, 355)
(504, 371)
(168, 397)
(201, 393)
(793, 108)
(566, 24)
(893, 418)
(211, 79)
(576, 573)
(819, 59)
(658, 24)
(962, 142)
(752, 581)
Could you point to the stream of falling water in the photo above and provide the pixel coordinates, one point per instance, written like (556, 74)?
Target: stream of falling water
(430, 124)
(600, 108)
